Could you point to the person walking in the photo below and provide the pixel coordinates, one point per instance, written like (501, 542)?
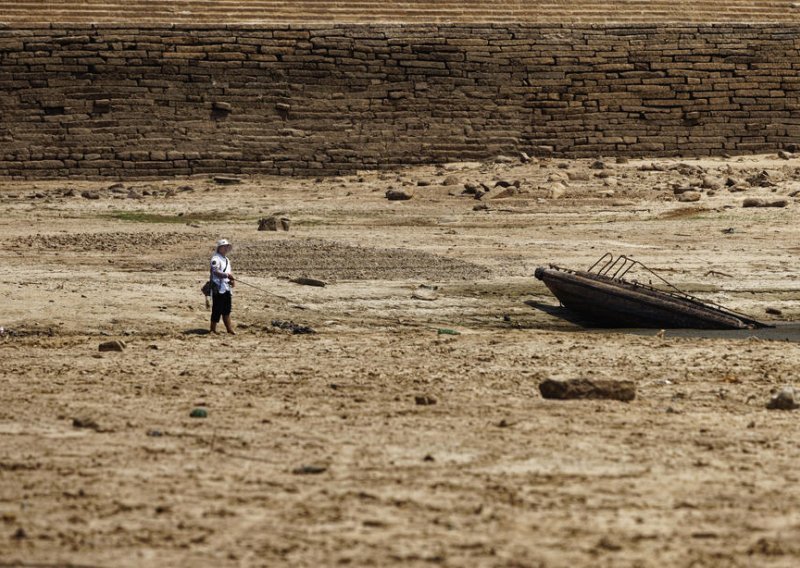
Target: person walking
(222, 286)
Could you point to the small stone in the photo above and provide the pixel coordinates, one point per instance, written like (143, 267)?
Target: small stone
(268, 224)
(427, 293)
(19, 534)
(598, 165)
(310, 469)
(506, 193)
(784, 399)
(784, 155)
(398, 195)
(199, 413)
(481, 207)
(226, 180)
(221, 106)
(428, 458)
(524, 158)
(90, 195)
(115, 345)
(470, 189)
(423, 183)
(588, 389)
(710, 182)
(579, 176)
(155, 433)
(760, 202)
(556, 191)
(424, 400)
(302, 280)
(451, 180)
(87, 423)
(774, 311)
(503, 160)
(689, 196)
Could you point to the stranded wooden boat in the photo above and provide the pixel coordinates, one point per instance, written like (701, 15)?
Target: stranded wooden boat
(602, 295)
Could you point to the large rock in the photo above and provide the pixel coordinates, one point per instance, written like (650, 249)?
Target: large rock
(398, 195)
(115, 345)
(588, 389)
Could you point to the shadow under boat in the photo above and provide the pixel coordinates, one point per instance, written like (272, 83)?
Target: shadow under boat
(603, 297)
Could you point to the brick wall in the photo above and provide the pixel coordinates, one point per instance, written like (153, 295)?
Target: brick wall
(161, 100)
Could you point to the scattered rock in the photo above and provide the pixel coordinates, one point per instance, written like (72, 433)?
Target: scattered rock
(761, 179)
(481, 207)
(296, 329)
(310, 469)
(424, 292)
(221, 106)
(155, 433)
(451, 180)
(710, 182)
(506, 193)
(784, 399)
(774, 311)
(199, 413)
(398, 195)
(784, 155)
(598, 165)
(87, 423)
(680, 189)
(424, 400)
(308, 281)
(116, 345)
(226, 180)
(503, 160)
(273, 223)
(578, 176)
(761, 202)
(556, 191)
(588, 389)
(19, 534)
(689, 196)
(90, 195)
(423, 183)
(524, 158)
(621, 160)
(470, 189)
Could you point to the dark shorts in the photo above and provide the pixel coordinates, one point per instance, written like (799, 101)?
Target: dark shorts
(220, 305)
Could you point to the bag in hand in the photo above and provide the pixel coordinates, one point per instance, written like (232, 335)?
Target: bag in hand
(207, 288)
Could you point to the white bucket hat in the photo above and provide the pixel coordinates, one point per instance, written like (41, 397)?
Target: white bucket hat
(223, 243)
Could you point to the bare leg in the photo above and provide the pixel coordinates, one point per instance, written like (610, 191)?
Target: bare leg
(213, 327)
(228, 325)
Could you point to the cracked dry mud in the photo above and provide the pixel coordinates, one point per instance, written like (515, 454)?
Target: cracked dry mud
(315, 451)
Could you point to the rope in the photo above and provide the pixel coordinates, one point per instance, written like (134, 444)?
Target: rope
(262, 290)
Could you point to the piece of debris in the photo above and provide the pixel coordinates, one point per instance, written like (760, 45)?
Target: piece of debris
(588, 389)
(199, 413)
(424, 400)
(87, 423)
(116, 345)
(308, 281)
(227, 180)
(774, 311)
(447, 331)
(398, 195)
(293, 327)
(425, 292)
(760, 202)
(784, 399)
(310, 469)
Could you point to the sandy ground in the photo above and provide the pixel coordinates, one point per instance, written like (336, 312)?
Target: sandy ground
(315, 451)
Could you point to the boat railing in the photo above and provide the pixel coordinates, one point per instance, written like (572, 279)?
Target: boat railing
(616, 268)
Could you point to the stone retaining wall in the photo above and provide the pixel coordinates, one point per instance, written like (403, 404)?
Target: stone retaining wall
(159, 100)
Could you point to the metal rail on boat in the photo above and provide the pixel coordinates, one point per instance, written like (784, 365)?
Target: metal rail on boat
(615, 269)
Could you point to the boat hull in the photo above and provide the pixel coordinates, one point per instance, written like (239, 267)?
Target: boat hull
(617, 303)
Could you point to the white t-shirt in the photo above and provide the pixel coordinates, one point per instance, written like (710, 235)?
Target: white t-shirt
(221, 263)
